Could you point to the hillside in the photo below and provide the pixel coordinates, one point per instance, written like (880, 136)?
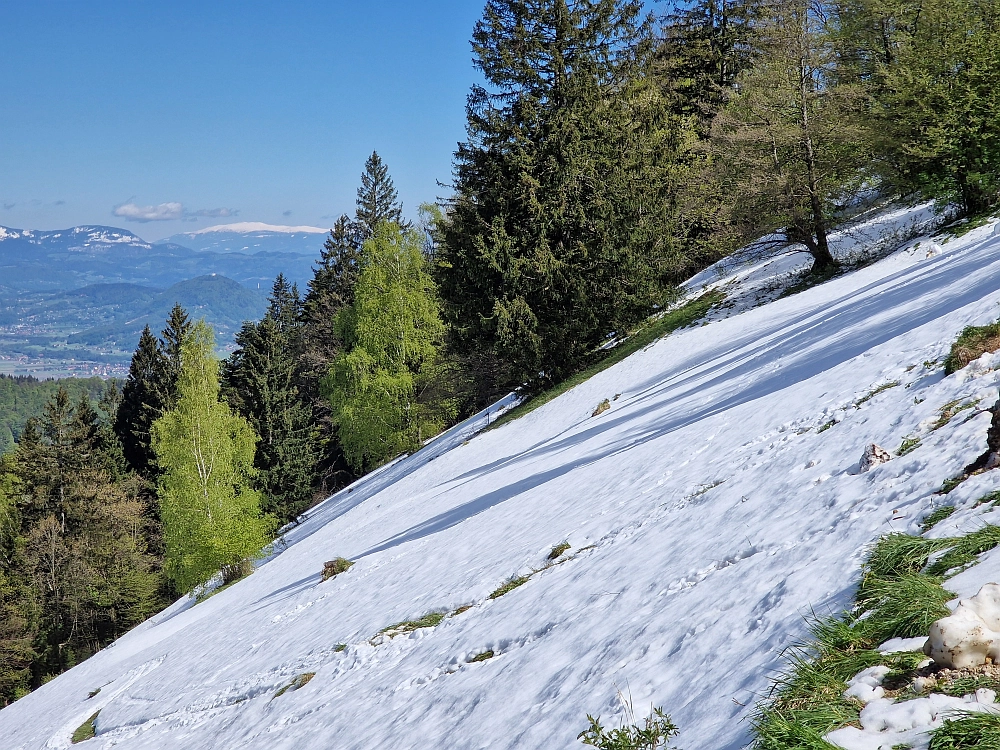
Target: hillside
(711, 509)
(22, 398)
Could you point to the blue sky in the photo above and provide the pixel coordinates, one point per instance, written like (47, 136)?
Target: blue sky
(224, 111)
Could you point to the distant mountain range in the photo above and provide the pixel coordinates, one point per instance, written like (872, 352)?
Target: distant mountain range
(65, 259)
(83, 294)
(252, 237)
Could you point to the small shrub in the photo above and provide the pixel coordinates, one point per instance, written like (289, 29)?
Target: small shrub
(512, 584)
(980, 731)
(601, 408)
(335, 567)
(482, 657)
(936, 517)
(299, 681)
(558, 550)
(85, 731)
(909, 444)
(972, 343)
(655, 733)
(430, 620)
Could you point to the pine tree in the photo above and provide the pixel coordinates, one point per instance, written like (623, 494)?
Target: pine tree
(377, 198)
(562, 227)
(211, 515)
(172, 344)
(261, 382)
(792, 142)
(391, 334)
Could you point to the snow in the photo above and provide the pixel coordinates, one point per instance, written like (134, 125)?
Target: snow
(707, 515)
(257, 226)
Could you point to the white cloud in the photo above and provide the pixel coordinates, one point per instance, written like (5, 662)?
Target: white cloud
(168, 212)
(162, 212)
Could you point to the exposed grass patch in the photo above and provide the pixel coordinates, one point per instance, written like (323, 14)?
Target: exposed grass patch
(981, 731)
(992, 498)
(826, 426)
(92, 693)
(512, 584)
(335, 567)
(949, 484)
(558, 550)
(430, 620)
(460, 610)
(965, 550)
(949, 410)
(653, 330)
(482, 657)
(297, 682)
(909, 444)
(874, 392)
(972, 343)
(85, 731)
(936, 517)
(601, 408)
(340, 647)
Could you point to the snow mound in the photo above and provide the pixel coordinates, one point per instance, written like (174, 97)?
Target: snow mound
(971, 634)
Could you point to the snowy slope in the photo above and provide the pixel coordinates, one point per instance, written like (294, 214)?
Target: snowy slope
(706, 511)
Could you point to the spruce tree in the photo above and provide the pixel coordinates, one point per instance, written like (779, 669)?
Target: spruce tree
(562, 229)
(392, 333)
(212, 517)
(377, 198)
(261, 382)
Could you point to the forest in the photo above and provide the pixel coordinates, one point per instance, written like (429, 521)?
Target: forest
(609, 156)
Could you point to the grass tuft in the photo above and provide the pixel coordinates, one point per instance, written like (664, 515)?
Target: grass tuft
(949, 410)
(86, 731)
(964, 550)
(512, 584)
(299, 681)
(653, 330)
(601, 408)
(340, 647)
(980, 731)
(335, 567)
(874, 392)
(936, 517)
(482, 657)
(908, 445)
(826, 426)
(558, 550)
(972, 343)
(903, 607)
(430, 620)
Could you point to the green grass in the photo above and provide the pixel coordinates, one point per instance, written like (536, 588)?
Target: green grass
(936, 517)
(965, 550)
(654, 329)
(558, 550)
(972, 343)
(949, 410)
(339, 648)
(901, 607)
(874, 392)
(482, 657)
(980, 731)
(299, 681)
(909, 444)
(951, 483)
(430, 620)
(992, 498)
(512, 584)
(826, 426)
(85, 731)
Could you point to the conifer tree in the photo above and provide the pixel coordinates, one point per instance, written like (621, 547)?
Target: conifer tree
(391, 334)
(562, 227)
(261, 382)
(377, 198)
(211, 514)
(792, 142)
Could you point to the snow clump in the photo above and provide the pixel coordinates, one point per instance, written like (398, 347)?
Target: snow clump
(971, 634)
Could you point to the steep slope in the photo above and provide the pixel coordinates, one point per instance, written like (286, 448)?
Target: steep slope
(711, 508)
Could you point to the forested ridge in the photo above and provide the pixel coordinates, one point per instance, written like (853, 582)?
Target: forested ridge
(609, 156)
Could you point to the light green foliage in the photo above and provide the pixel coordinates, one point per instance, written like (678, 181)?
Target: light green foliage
(391, 334)
(654, 733)
(211, 515)
(936, 516)
(909, 444)
(430, 620)
(512, 584)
